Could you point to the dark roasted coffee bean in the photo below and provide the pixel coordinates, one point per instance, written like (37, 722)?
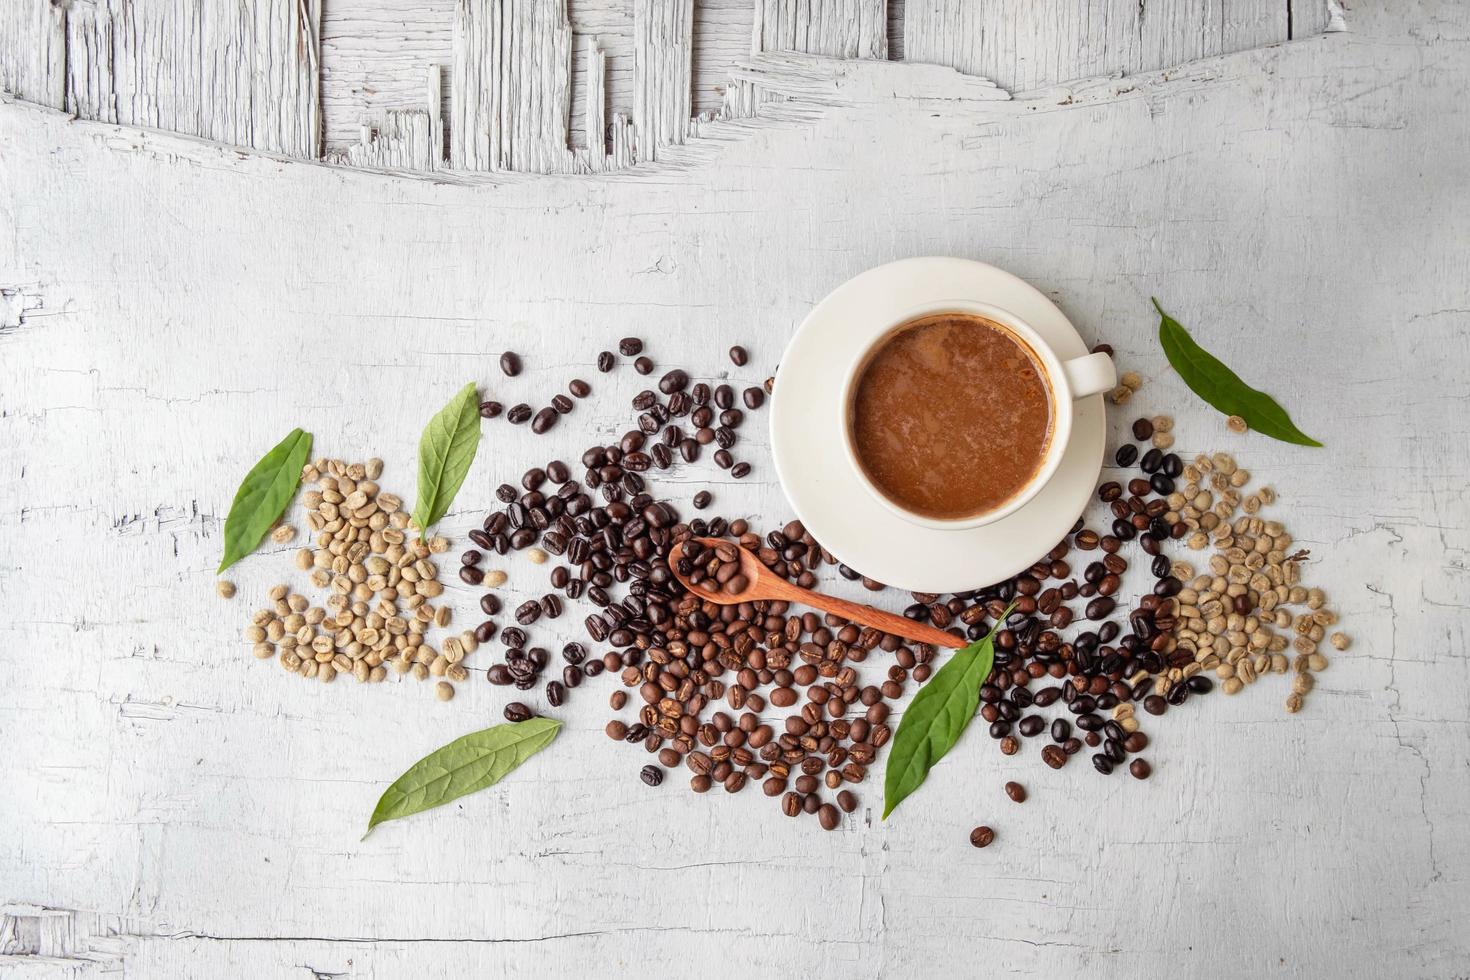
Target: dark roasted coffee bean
(651, 775)
(605, 361)
(738, 356)
(643, 365)
(723, 459)
(516, 711)
(561, 403)
(490, 409)
(471, 575)
(528, 612)
(519, 413)
(982, 836)
(1151, 461)
(579, 388)
(1143, 430)
(630, 346)
(724, 396)
(1140, 769)
(1161, 484)
(1102, 764)
(550, 606)
(753, 398)
(498, 674)
(1155, 704)
(1061, 730)
(702, 499)
(675, 380)
(740, 470)
(545, 421)
(1200, 684)
(1031, 725)
(510, 364)
(1016, 792)
(1100, 607)
(556, 693)
(1054, 756)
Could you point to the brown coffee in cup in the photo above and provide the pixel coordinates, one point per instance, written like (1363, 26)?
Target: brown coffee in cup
(951, 416)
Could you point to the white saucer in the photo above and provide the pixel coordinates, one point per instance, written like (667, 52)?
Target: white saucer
(807, 436)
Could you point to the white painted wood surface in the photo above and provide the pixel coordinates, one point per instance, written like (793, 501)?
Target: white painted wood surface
(174, 808)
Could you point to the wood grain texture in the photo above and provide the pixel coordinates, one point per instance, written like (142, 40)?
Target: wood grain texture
(169, 306)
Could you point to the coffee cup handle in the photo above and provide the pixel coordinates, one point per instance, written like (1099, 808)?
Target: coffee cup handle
(1090, 374)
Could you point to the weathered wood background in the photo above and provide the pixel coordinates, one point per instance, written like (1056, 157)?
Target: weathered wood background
(171, 304)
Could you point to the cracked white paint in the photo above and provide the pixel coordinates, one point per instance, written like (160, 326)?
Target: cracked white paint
(638, 76)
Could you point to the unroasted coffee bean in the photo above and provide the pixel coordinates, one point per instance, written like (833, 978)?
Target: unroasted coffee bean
(510, 364)
(516, 711)
(982, 836)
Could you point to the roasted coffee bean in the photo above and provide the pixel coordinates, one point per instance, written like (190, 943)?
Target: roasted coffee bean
(651, 775)
(702, 499)
(1102, 764)
(556, 693)
(490, 409)
(982, 836)
(1061, 730)
(561, 403)
(1161, 484)
(579, 388)
(1126, 455)
(1155, 704)
(738, 356)
(516, 711)
(675, 380)
(1110, 491)
(471, 575)
(1100, 607)
(1143, 430)
(753, 398)
(1140, 769)
(499, 674)
(630, 346)
(544, 421)
(740, 470)
(1200, 684)
(1031, 725)
(1016, 792)
(1151, 461)
(643, 365)
(1054, 756)
(605, 361)
(510, 364)
(519, 413)
(828, 816)
(550, 606)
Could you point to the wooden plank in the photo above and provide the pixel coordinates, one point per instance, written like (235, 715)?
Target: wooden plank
(662, 74)
(1024, 44)
(837, 28)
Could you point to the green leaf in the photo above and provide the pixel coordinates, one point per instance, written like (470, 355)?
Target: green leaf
(268, 488)
(465, 765)
(939, 715)
(446, 450)
(1208, 377)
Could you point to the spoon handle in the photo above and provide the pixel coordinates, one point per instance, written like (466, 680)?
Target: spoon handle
(868, 616)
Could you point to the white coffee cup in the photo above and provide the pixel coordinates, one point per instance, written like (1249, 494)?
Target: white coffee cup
(1066, 381)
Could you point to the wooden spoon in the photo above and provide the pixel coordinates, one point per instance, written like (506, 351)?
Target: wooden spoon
(762, 583)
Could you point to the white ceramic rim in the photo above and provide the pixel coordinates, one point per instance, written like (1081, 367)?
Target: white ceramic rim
(1057, 387)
